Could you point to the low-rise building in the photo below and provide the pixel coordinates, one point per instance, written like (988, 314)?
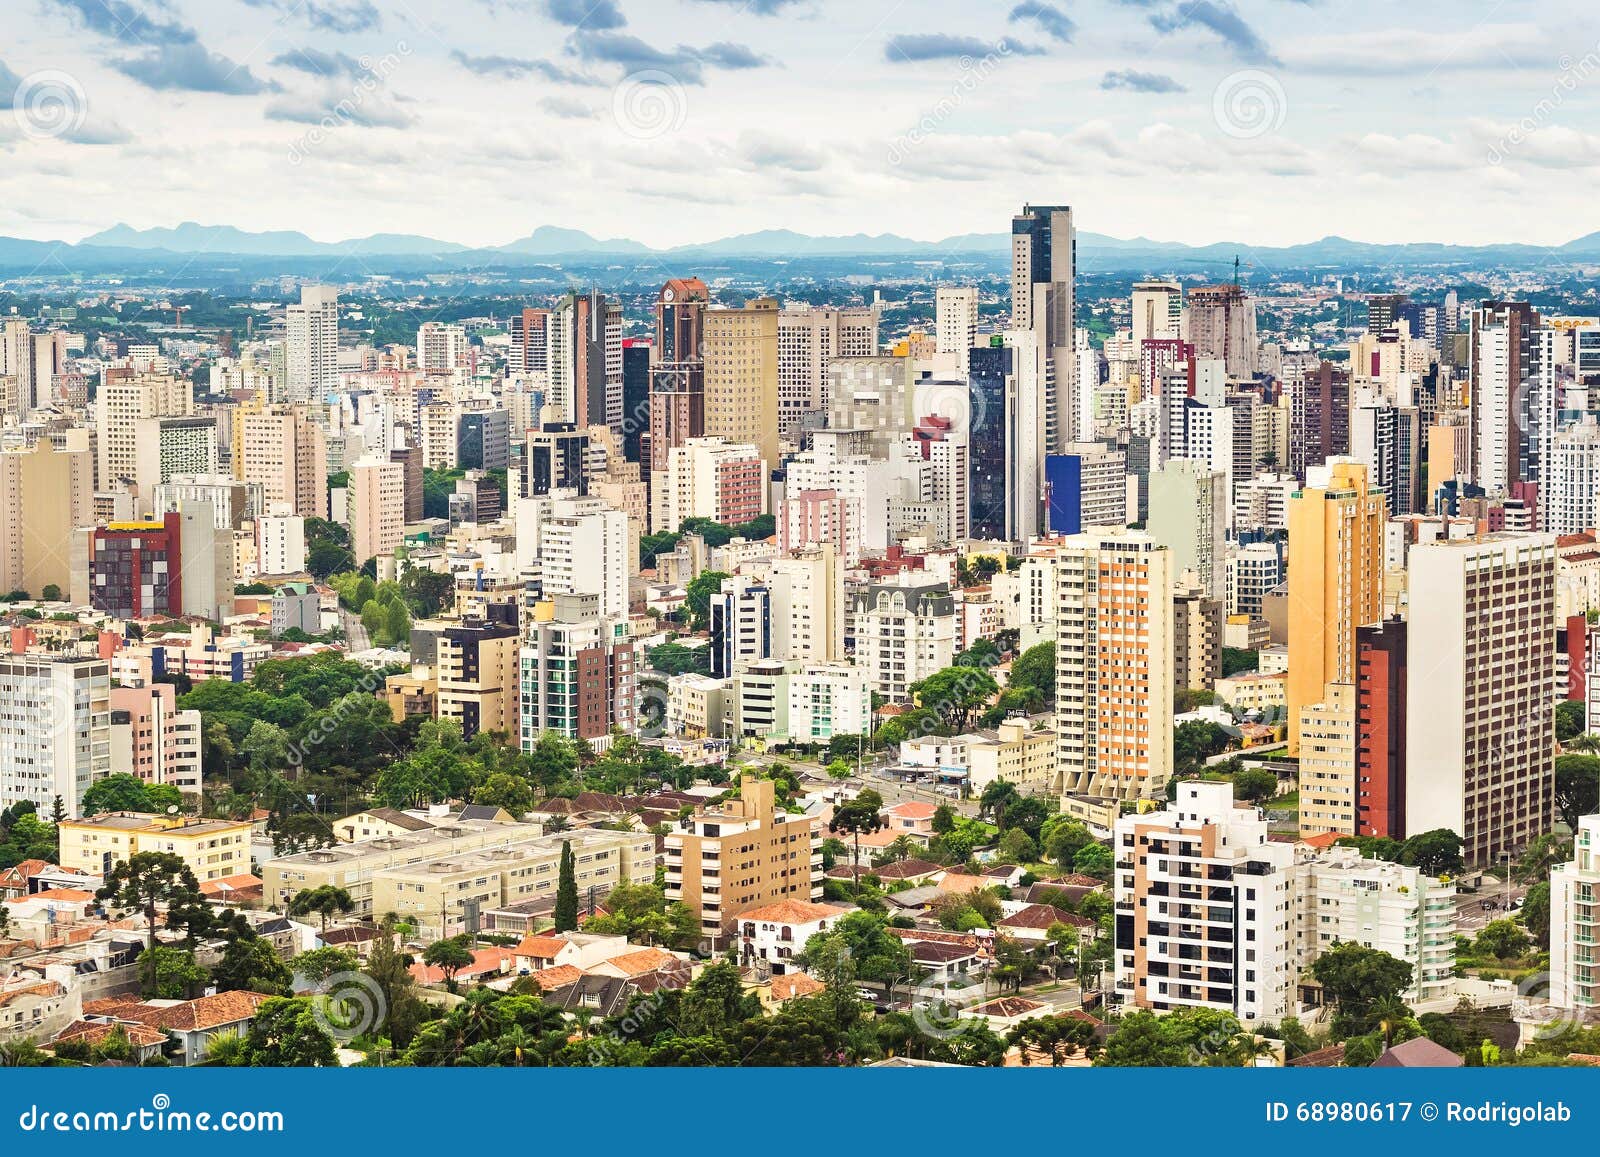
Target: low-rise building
(776, 933)
(212, 848)
(447, 896)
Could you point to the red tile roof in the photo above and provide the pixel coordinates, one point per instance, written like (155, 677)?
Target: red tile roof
(792, 912)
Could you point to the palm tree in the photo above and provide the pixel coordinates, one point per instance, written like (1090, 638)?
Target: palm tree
(227, 1050)
(1243, 1049)
(324, 900)
(903, 848)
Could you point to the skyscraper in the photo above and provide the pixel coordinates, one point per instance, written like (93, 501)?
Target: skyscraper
(1157, 311)
(1114, 665)
(1480, 723)
(1222, 324)
(312, 346)
(1044, 261)
(741, 375)
(1335, 581)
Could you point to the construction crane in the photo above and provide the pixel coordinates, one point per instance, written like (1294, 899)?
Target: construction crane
(1211, 261)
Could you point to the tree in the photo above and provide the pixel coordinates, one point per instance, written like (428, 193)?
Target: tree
(1255, 784)
(123, 792)
(400, 1008)
(285, 1034)
(697, 597)
(177, 976)
(320, 963)
(1436, 852)
(1194, 742)
(1536, 913)
(1503, 940)
(449, 956)
(1063, 838)
(862, 814)
(1577, 787)
(874, 952)
(1360, 980)
(249, 964)
(148, 880)
(1571, 717)
(324, 900)
(997, 796)
(954, 693)
(1035, 668)
(1017, 847)
(502, 789)
(51, 593)
(1093, 860)
(566, 909)
(944, 819)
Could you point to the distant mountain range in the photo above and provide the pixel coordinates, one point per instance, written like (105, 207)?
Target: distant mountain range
(125, 245)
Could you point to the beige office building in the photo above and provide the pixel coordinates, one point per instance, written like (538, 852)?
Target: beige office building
(44, 495)
(1480, 719)
(741, 369)
(121, 404)
(284, 449)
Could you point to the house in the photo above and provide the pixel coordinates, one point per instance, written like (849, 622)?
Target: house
(1005, 1013)
(582, 950)
(641, 962)
(913, 899)
(14, 880)
(912, 818)
(147, 1043)
(486, 962)
(378, 823)
(790, 986)
(943, 962)
(33, 1006)
(779, 931)
(233, 891)
(1033, 923)
(1418, 1053)
(1003, 875)
(193, 1023)
(913, 871)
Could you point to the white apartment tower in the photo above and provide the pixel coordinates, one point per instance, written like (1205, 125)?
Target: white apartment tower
(1481, 743)
(312, 346)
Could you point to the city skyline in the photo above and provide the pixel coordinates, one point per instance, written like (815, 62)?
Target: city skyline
(681, 122)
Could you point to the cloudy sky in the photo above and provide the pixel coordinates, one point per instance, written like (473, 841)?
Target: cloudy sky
(674, 121)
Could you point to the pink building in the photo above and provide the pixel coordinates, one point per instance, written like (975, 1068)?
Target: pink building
(152, 739)
(814, 517)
